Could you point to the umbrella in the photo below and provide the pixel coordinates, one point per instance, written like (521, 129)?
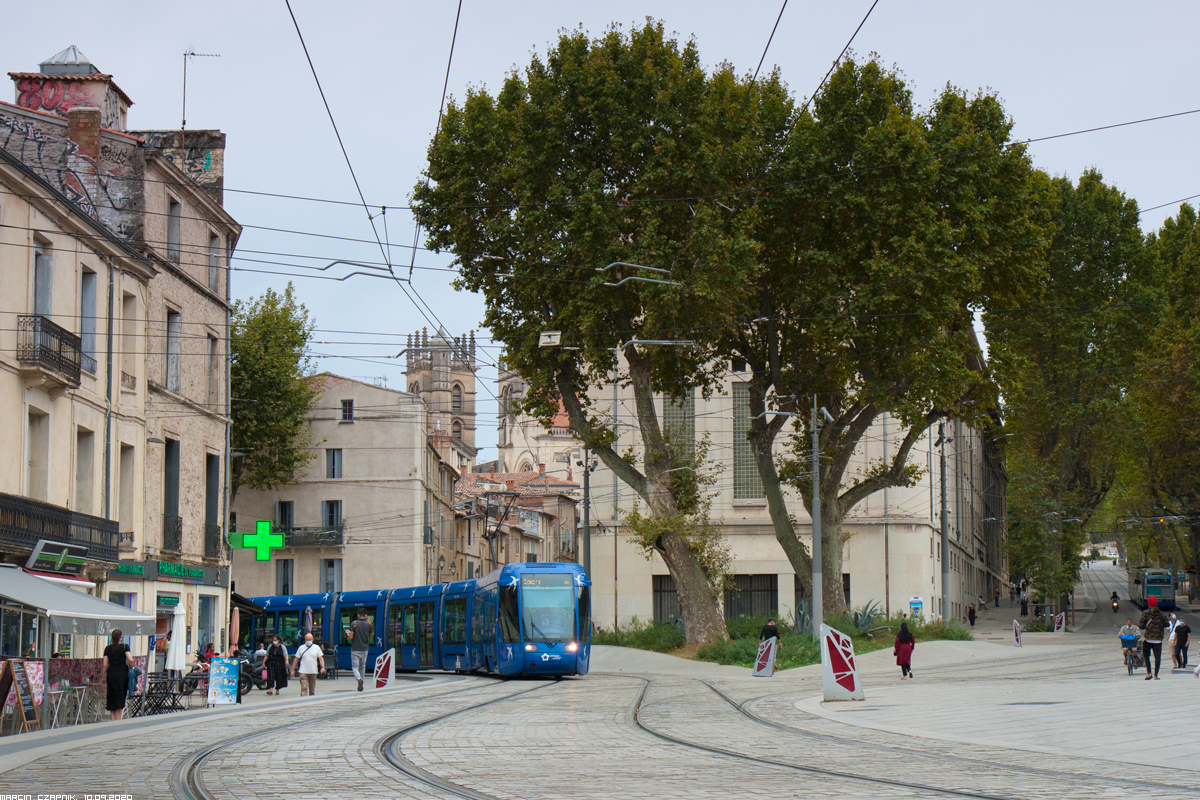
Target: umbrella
(308, 619)
(176, 658)
(235, 627)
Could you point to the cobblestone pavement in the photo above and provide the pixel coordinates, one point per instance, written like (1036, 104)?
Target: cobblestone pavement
(982, 720)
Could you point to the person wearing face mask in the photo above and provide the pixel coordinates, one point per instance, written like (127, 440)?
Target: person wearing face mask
(276, 662)
(310, 662)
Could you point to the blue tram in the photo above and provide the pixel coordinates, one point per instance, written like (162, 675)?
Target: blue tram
(521, 619)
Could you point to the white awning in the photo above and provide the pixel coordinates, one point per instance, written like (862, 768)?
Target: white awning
(71, 611)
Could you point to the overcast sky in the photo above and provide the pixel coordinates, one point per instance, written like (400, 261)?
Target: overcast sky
(1058, 67)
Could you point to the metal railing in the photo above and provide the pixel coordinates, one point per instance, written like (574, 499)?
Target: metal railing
(87, 364)
(41, 342)
(23, 522)
(128, 381)
(214, 543)
(172, 533)
(330, 536)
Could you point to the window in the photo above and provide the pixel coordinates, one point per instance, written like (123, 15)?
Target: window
(752, 596)
(666, 599)
(171, 478)
(214, 261)
(43, 281)
(347, 411)
(130, 346)
(38, 477)
(679, 421)
(212, 497)
(456, 430)
(84, 468)
(284, 515)
(174, 332)
(125, 493)
(456, 398)
(846, 586)
(738, 365)
(174, 218)
(415, 388)
(331, 513)
(454, 624)
(333, 463)
(350, 613)
(87, 319)
(283, 576)
(331, 575)
(510, 622)
(747, 485)
(214, 372)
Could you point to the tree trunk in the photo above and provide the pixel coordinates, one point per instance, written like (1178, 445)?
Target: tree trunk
(702, 620)
(797, 554)
(832, 597)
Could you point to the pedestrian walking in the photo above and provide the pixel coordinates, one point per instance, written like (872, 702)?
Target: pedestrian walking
(276, 662)
(971, 614)
(1012, 597)
(116, 664)
(905, 642)
(361, 634)
(1024, 605)
(1172, 623)
(997, 597)
(310, 662)
(1183, 637)
(1153, 624)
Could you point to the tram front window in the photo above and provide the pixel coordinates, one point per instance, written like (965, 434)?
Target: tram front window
(548, 607)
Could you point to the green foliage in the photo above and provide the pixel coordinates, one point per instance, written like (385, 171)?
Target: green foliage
(661, 637)
(866, 620)
(272, 389)
(1065, 361)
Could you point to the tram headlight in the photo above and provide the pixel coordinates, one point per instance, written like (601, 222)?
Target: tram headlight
(572, 647)
(530, 648)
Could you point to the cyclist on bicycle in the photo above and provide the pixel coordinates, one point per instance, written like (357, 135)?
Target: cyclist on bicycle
(1129, 645)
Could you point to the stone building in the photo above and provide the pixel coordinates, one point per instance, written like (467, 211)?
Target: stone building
(373, 510)
(170, 332)
(441, 371)
(891, 554)
(532, 514)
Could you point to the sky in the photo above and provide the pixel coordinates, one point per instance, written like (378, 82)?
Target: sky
(1058, 67)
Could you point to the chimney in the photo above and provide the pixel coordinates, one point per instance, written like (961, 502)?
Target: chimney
(542, 470)
(83, 128)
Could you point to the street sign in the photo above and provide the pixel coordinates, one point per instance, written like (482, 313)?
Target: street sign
(550, 339)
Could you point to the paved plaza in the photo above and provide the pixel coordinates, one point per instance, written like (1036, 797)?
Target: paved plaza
(1057, 718)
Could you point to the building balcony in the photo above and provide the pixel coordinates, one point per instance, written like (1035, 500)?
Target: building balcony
(329, 536)
(23, 522)
(88, 364)
(49, 349)
(214, 542)
(128, 382)
(172, 533)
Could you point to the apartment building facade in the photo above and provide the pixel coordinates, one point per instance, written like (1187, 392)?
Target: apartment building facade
(891, 555)
(165, 332)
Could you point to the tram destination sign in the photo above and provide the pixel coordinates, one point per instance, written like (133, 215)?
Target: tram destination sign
(546, 579)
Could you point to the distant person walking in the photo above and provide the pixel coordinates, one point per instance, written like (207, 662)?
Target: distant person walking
(905, 642)
(116, 664)
(971, 614)
(769, 630)
(1153, 624)
(276, 663)
(997, 597)
(310, 662)
(362, 633)
(1183, 637)
(1024, 605)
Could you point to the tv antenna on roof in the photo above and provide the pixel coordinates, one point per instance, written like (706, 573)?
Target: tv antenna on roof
(190, 53)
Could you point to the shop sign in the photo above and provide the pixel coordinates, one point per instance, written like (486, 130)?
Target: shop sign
(170, 572)
(167, 602)
(65, 559)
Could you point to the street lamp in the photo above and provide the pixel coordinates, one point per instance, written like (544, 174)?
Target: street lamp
(441, 566)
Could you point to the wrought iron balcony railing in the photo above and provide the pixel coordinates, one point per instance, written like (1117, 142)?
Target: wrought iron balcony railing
(24, 521)
(128, 381)
(87, 363)
(330, 536)
(41, 342)
(214, 542)
(172, 533)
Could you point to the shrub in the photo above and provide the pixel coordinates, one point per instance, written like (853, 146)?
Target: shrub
(660, 637)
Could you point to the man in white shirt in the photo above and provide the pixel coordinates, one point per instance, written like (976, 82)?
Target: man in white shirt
(310, 661)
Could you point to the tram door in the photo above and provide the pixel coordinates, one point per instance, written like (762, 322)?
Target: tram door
(425, 629)
(408, 641)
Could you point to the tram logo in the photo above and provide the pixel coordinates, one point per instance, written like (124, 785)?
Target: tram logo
(550, 657)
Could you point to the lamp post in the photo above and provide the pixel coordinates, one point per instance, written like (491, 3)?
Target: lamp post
(588, 464)
(945, 537)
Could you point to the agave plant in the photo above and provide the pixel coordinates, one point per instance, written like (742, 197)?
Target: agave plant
(802, 617)
(864, 620)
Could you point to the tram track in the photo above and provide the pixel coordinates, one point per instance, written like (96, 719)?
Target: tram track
(187, 777)
(1021, 769)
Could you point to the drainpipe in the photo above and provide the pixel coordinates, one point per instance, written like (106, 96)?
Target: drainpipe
(225, 490)
(108, 394)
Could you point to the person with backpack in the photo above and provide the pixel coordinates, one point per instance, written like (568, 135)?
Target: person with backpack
(903, 649)
(361, 634)
(1153, 624)
(310, 661)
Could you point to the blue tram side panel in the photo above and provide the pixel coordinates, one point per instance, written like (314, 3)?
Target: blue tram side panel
(521, 619)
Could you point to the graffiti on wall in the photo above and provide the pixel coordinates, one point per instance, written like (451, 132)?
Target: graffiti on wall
(58, 96)
(104, 193)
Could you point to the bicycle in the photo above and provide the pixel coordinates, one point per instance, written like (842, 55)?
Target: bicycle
(1133, 656)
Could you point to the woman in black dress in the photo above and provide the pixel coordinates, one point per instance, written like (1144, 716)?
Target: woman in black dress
(276, 664)
(117, 662)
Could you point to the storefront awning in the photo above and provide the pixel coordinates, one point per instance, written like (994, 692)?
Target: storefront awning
(249, 606)
(71, 611)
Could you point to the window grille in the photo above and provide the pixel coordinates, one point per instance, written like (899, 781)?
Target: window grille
(747, 485)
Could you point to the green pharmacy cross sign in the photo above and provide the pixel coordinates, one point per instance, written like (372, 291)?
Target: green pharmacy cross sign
(262, 540)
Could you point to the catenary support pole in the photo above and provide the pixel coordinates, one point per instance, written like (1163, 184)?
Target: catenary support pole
(945, 529)
(817, 610)
(587, 523)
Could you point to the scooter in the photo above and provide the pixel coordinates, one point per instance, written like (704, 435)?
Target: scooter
(1115, 605)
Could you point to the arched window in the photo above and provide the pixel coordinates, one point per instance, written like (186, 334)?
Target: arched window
(415, 388)
(456, 429)
(456, 398)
